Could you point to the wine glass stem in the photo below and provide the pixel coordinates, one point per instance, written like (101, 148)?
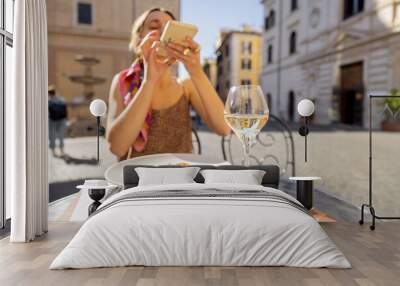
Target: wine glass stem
(246, 150)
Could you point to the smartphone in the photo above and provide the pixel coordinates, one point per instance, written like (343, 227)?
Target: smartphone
(177, 32)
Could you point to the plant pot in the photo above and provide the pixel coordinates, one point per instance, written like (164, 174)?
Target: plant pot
(390, 126)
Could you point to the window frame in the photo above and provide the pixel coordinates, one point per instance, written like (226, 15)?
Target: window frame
(227, 50)
(293, 43)
(78, 3)
(6, 39)
(246, 64)
(294, 5)
(272, 16)
(266, 23)
(291, 105)
(247, 47)
(270, 54)
(268, 97)
(359, 4)
(269, 21)
(245, 81)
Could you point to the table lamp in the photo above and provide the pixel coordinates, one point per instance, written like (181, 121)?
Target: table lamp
(305, 108)
(98, 108)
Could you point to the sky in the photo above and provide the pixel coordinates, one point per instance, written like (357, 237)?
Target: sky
(212, 15)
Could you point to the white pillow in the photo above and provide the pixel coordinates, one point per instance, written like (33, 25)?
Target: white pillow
(248, 177)
(163, 176)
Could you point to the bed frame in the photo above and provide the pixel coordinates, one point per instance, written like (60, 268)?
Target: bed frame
(270, 179)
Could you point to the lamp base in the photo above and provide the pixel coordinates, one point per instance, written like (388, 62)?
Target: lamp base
(96, 195)
(303, 131)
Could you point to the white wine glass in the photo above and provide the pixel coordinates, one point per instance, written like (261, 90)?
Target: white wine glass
(246, 113)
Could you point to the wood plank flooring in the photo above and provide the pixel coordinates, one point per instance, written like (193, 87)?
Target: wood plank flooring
(375, 257)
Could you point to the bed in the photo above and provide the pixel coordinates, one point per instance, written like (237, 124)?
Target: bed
(199, 224)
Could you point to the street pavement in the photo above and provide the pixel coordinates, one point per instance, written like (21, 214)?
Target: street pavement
(339, 157)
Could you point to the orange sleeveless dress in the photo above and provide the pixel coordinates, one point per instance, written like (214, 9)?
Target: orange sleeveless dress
(170, 131)
(164, 131)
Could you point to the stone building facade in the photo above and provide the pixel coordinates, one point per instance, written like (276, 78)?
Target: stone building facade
(98, 30)
(239, 59)
(334, 52)
(210, 69)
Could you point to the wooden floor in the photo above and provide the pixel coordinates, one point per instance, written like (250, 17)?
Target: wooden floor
(375, 257)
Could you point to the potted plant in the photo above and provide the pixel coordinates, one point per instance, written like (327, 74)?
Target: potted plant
(392, 112)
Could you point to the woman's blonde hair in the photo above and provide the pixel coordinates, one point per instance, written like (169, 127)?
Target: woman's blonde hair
(137, 26)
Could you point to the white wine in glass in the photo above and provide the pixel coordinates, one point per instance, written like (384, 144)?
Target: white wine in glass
(246, 113)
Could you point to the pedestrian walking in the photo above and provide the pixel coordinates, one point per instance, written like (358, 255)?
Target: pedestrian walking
(57, 121)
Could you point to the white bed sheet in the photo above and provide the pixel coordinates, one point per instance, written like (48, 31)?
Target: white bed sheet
(193, 231)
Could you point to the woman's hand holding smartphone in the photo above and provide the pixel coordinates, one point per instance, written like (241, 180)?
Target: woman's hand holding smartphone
(191, 59)
(175, 43)
(177, 39)
(154, 68)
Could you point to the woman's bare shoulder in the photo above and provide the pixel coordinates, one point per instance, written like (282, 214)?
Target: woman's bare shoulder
(115, 100)
(116, 78)
(188, 86)
(114, 94)
(114, 82)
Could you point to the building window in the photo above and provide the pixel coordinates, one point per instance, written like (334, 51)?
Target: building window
(293, 43)
(352, 7)
(227, 50)
(245, 82)
(6, 62)
(246, 64)
(247, 48)
(219, 57)
(85, 13)
(269, 101)
(270, 54)
(220, 70)
(294, 5)
(270, 20)
(227, 66)
(291, 108)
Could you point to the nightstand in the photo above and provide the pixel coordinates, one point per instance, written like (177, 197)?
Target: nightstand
(96, 195)
(304, 190)
(96, 191)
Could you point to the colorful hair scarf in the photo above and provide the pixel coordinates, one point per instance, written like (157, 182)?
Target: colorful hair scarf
(129, 83)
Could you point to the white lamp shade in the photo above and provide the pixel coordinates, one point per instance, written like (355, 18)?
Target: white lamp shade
(305, 108)
(98, 107)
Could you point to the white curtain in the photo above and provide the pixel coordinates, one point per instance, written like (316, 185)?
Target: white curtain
(27, 123)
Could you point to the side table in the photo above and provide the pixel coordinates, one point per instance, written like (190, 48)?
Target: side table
(304, 190)
(96, 191)
(96, 195)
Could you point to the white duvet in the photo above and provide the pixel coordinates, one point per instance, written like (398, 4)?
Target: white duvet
(200, 231)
